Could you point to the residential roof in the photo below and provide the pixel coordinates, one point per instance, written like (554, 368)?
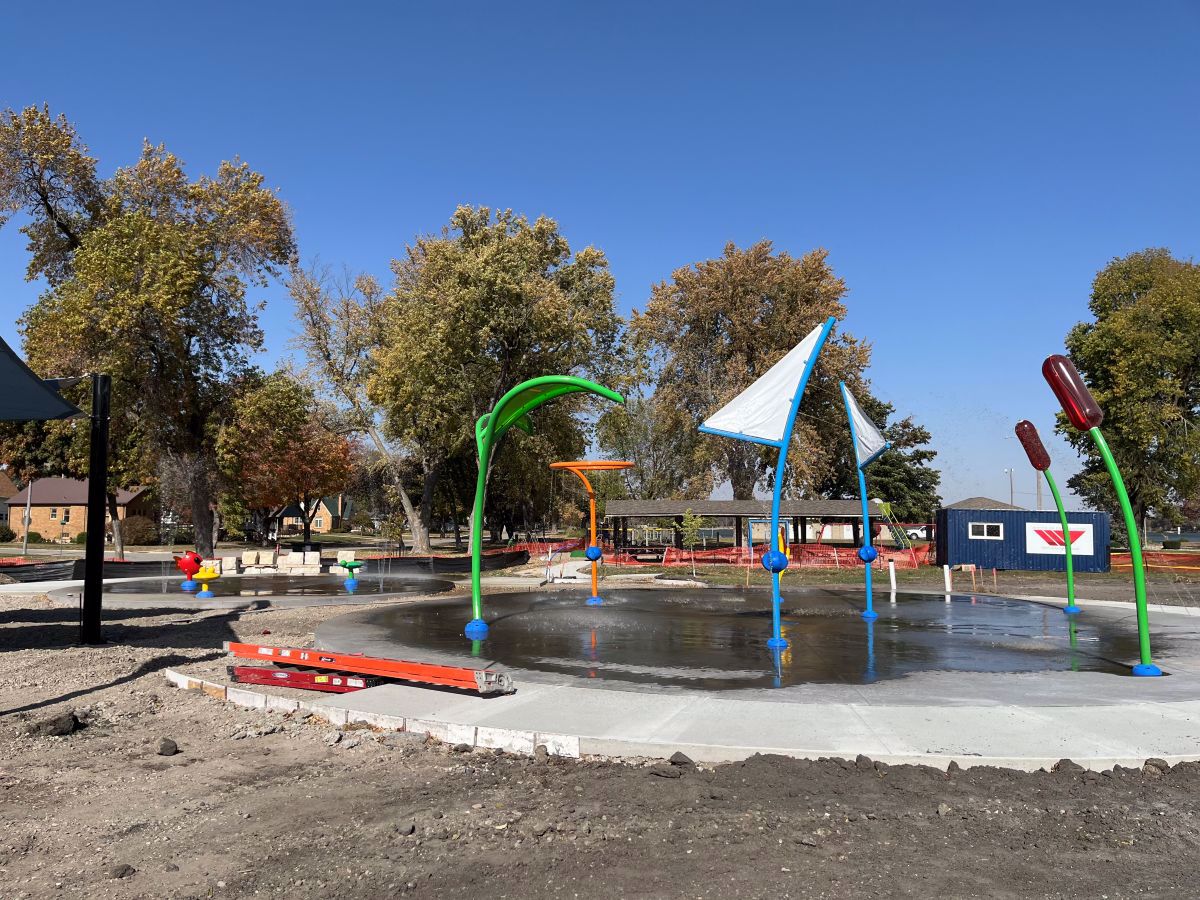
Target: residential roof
(981, 503)
(65, 492)
(654, 509)
(8, 487)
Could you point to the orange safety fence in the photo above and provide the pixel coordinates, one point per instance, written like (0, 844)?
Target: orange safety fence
(545, 548)
(1184, 562)
(802, 556)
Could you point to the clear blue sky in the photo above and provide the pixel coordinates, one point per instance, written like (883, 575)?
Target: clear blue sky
(969, 166)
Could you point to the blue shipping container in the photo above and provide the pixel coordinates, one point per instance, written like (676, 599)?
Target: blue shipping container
(1021, 540)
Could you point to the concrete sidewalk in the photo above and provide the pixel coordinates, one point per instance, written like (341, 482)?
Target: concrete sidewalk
(575, 721)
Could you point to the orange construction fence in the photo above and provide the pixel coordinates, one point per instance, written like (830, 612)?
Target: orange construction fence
(1184, 562)
(824, 556)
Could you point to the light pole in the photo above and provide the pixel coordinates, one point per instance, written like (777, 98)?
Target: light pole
(1011, 493)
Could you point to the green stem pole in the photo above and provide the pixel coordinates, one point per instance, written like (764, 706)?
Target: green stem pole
(485, 457)
(1135, 553)
(1066, 528)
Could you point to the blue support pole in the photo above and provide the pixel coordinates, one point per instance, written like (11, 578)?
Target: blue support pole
(775, 561)
(866, 552)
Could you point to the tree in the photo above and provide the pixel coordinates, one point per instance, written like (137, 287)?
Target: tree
(276, 451)
(900, 476)
(148, 274)
(1141, 358)
(689, 527)
(492, 300)
(718, 325)
(342, 329)
(647, 433)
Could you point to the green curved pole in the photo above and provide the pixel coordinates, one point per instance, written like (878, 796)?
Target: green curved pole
(1147, 666)
(512, 409)
(1066, 529)
(477, 532)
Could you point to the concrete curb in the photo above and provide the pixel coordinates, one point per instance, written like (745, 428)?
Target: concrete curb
(509, 740)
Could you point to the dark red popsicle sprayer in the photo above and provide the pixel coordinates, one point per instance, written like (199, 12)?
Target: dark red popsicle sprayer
(1073, 395)
(1081, 408)
(1028, 435)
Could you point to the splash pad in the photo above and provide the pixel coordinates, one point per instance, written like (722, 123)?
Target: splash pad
(715, 639)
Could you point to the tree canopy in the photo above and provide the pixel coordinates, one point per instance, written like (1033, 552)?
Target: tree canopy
(276, 451)
(1141, 359)
(148, 275)
(719, 324)
(491, 301)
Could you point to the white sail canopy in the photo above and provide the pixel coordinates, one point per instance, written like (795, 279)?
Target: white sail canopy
(760, 412)
(868, 442)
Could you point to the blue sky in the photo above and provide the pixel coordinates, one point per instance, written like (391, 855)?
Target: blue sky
(968, 166)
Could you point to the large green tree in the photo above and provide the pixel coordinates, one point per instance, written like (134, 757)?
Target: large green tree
(716, 326)
(1141, 358)
(492, 300)
(148, 274)
(901, 475)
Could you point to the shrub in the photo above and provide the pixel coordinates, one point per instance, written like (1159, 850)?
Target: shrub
(7, 535)
(35, 538)
(80, 538)
(139, 531)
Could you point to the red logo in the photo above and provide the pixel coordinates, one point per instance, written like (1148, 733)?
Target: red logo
(1055, 537)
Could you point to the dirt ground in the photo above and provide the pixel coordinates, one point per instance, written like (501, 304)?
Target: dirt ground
(262, 804)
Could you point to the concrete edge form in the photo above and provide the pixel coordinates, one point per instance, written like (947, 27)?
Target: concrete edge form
(509, 740)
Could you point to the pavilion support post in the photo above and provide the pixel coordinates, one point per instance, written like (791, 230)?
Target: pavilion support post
(795, 529)
(679, 532)
(804, 529)
(737, 531)
(856, 531)
(90, 631)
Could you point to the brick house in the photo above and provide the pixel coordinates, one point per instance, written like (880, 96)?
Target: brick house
(8, 488)
(330, 514)
(58, 508)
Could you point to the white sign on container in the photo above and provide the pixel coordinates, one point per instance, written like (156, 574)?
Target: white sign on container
(1047, 537)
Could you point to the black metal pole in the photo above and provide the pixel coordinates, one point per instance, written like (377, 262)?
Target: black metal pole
(93, 563)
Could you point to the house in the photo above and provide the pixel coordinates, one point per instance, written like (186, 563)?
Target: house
(991, 534)
(58, 507)
(331, 513)
(8, 488)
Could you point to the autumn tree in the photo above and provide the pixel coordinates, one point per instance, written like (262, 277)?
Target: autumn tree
(148, 274)
(341, 331)
(648, 433)
(1140, 355)
(718, 325)
(490, 301)
(276, 451)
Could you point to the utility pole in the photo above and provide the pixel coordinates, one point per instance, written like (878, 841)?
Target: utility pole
(1011, 492)
(28, 511)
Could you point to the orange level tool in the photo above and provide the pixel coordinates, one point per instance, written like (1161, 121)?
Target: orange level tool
(484, 681)
(330, 682)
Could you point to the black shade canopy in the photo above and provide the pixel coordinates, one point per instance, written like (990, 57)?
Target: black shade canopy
(23, 396)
